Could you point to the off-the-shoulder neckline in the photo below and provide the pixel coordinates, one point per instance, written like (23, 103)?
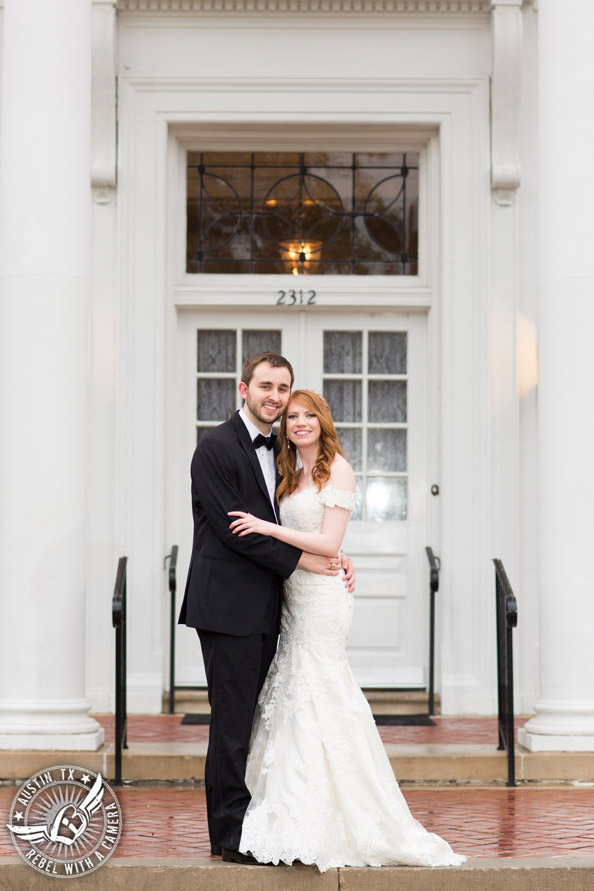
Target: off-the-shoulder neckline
(323, 489)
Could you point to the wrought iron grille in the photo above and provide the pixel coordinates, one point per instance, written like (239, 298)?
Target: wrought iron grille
(307, 213)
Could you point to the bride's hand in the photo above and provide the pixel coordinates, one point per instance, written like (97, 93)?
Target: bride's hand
(247, 523)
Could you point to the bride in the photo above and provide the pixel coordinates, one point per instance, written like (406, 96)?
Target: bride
(323, 791)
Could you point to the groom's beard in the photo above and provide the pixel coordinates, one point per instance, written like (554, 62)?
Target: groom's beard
(257, 412)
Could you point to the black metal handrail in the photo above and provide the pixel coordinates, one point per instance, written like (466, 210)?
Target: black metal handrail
(507, 619)
(118, 617)
(172, 557)
(434, 567)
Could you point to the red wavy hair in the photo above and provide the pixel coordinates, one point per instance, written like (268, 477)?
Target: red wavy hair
(328, 449)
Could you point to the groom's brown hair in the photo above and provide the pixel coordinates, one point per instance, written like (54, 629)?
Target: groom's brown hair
(274, 359)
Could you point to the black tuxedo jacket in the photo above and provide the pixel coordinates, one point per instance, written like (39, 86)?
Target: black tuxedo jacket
(231, 579)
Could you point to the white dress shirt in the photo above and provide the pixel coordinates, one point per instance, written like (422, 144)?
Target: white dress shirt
(265, 457)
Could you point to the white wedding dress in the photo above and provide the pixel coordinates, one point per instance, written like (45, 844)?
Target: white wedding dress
(323, 791)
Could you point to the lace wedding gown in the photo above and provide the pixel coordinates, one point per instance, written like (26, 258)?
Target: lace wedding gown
(323, 791)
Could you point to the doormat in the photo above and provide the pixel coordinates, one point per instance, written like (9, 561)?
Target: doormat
(391, 720)
(404, 720)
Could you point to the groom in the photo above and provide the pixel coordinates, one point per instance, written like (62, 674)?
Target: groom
(234, 587)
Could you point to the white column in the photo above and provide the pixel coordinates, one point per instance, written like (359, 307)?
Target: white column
(565, 710)
(44, 284)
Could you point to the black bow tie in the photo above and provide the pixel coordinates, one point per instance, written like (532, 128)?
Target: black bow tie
(262, 440)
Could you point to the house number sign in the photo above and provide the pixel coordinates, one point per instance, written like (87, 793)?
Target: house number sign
(293, 297)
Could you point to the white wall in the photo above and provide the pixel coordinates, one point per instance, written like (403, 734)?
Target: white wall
(180, 73)
(527, 573)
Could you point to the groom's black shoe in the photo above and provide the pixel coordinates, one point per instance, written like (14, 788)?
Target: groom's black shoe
(238, 857)
(216, 850)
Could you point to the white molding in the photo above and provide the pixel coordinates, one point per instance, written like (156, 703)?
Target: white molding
(361, 134)
(145, 693)
(147, 83)
(467, 694)
(58, 742)
(161, 115)
(325, 7)
(262, 290)
(103, 124)
(536, 742)
(49, 724)
(505, 99)
(101, 700)
(560, 726)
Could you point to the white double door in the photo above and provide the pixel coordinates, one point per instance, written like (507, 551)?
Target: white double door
(372, 368)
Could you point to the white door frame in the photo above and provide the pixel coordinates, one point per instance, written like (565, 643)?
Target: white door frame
(159, 118)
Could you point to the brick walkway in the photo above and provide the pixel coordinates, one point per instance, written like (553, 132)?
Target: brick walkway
(481, 823)
(170, 821)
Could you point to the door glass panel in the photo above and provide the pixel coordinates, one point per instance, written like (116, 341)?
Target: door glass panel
(352, 446)
(387, 402)
(343, 351)
(386, 498)
(387, 352)
(386, 450)
(371, 413)
(254, 341)
(219, 357)
(358, 512)
(344, 399)
(216, 399)
(216, 351)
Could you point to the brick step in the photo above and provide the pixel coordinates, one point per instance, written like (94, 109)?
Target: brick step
(382, 702)
(536, 838)
(427, 763)
(132, 874)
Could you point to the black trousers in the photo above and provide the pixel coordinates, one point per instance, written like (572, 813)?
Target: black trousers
(236, 668)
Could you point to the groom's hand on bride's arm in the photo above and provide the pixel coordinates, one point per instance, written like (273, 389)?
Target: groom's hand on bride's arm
(349, 572)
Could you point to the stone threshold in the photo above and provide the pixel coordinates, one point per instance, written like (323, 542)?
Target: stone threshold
(382, 702)
(129, 874)
(420, 763)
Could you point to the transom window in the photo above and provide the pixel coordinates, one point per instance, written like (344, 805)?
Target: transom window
(308, 213)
